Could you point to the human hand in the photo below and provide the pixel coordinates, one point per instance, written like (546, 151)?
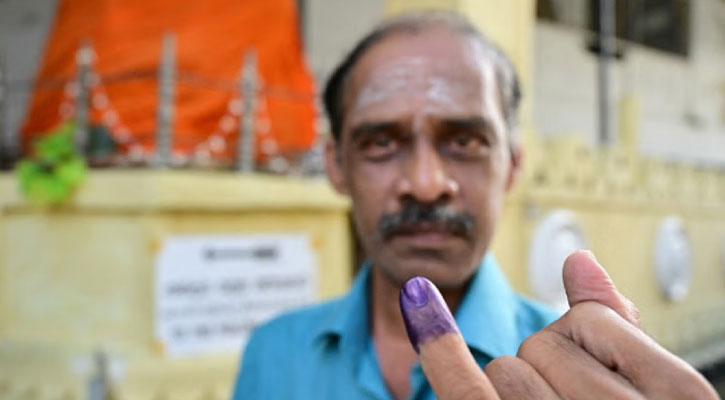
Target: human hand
(596, 350)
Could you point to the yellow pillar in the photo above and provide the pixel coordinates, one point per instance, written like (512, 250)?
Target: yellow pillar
(628, 125)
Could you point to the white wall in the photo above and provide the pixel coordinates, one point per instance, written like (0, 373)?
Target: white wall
(682, 100)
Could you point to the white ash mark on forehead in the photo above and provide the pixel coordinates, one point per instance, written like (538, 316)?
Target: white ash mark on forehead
(443, 91)
(413, 76)
(387, 80)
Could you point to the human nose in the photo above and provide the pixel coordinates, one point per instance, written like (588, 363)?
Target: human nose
(426, 178)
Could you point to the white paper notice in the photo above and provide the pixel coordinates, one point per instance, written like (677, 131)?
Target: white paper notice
(211, 291)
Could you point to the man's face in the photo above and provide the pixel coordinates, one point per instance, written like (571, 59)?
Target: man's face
(424, 155)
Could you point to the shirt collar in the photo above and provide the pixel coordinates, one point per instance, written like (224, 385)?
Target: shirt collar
(486, 316)
(348, 320)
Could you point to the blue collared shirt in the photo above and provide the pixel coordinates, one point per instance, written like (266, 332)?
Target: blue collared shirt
(326, 351)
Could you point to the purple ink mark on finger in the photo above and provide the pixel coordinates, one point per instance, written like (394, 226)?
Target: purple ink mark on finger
(425, 313)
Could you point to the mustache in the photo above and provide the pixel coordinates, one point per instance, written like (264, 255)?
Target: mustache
(413, 214)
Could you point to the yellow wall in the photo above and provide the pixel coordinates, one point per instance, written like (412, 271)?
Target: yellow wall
(78, 279)
(620, 203)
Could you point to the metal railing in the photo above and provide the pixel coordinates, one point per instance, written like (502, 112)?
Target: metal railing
(247, 91)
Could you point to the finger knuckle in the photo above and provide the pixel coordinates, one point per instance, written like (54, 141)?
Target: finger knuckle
(590, 319)
(500, 366)
(586, 310)
(589, 315)
(532, 345)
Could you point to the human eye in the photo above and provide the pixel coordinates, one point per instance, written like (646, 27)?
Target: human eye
(466, 144)
(464, 141)
(379, 146)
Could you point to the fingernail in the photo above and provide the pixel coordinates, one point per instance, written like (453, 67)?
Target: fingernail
(415, 291)
(425, 313)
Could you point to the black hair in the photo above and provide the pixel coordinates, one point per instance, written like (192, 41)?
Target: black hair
(413, 23)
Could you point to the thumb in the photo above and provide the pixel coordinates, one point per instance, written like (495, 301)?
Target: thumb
(586, 280)
(447, 363)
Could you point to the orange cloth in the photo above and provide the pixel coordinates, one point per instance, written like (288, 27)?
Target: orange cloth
(211, 39)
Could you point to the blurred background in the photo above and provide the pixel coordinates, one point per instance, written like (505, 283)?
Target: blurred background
(162, 189)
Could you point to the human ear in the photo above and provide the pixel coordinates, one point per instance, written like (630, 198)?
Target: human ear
(333, 166)
(517, 156)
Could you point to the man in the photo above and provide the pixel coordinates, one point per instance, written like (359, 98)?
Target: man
(425, 143)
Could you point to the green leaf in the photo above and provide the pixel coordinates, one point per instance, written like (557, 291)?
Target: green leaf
(54, 172)
(72, 172)
(56, 146)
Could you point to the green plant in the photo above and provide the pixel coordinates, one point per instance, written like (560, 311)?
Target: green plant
(54, 171)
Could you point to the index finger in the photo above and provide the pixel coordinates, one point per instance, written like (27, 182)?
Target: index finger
(444, 356)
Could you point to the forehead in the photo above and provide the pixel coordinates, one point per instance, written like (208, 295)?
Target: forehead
(450, 70)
